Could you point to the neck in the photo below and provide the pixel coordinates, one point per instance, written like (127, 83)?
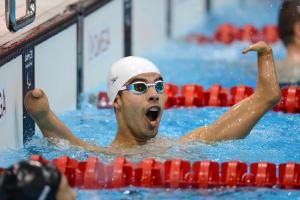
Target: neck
(293, 52)
(125, 138)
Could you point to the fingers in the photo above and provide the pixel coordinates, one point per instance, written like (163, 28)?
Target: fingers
(260, 47)
(246, 50)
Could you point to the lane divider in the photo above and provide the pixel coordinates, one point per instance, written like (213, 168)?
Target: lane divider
(227, 33)
(290, 101)
(193, 95)
(103, 101)
(176, 173)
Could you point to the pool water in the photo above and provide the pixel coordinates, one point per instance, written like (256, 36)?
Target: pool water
(275, 138)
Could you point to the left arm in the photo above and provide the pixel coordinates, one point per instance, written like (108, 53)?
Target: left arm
(237, 122)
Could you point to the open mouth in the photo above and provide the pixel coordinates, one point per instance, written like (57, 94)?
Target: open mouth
(152, 114)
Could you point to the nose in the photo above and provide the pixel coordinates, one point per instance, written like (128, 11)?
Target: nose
(152, 95)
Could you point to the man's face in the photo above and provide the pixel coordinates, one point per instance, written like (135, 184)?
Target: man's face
(142, 112)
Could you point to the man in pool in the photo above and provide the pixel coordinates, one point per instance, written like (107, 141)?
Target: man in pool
(289, 31)
(135, 87)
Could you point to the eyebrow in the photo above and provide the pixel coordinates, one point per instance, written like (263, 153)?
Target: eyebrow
(144, 80)
(137, 79)
(159, 78)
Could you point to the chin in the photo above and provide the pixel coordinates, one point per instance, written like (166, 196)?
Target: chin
(147, 134)
(151, 134)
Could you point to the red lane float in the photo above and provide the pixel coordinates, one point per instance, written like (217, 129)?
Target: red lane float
(175, 173)
(291, 97)
(217, 95)
(193, 95)
(198, 38)
(249, 33)
(227, 33)
(39, 158)
(205, 174)
(289, 175)
(240, 92)
(290, 101)
(93, 173)
(270, 33)
(264, 174)
(233, 172)
(103, 100)
(170, 91)
(64, 162)
(148, 173)
(119, 173)
(69, 167)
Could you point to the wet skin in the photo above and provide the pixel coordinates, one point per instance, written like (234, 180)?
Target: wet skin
(135, 128)
(65, 192)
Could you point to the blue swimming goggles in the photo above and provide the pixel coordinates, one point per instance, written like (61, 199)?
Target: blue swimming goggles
(140, 87)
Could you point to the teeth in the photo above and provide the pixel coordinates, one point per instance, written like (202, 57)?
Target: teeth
(153, 109)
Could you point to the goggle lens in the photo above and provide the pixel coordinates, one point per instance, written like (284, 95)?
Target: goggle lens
(139, 87)
(159, 86)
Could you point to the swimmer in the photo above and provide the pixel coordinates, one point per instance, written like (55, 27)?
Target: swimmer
(289, 32)
(32, 180)
(135, 87)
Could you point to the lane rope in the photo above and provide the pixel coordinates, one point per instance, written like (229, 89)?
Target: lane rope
(176, 173)
(227, 33)
(193, 95)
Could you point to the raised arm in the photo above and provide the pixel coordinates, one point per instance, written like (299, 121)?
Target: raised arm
(237, 122)
(36, 103)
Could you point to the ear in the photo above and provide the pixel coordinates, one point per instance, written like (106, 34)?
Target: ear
(117, 102)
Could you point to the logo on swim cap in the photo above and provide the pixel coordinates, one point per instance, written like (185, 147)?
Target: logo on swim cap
(123, 70)
(114, 79)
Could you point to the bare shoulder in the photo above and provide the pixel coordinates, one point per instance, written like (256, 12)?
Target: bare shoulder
(288, 72)
(98, 149)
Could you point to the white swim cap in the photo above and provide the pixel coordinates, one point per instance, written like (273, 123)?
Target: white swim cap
(123, 70)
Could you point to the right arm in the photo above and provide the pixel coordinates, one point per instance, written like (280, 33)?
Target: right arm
(37, 105)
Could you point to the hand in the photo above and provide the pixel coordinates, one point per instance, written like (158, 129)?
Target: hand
(261, 48)
(36, 103)
(267, 87)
